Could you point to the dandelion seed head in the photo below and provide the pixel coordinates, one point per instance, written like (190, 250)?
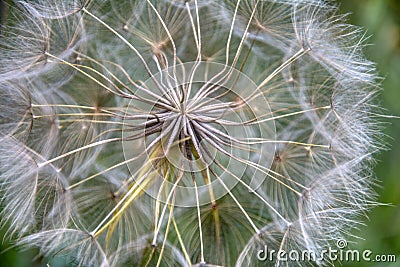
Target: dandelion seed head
(190, 133)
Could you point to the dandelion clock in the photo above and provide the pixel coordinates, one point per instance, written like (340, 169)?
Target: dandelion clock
(184, 133)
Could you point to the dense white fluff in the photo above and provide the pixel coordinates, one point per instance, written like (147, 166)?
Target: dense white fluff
(26, 42)
(184, 133)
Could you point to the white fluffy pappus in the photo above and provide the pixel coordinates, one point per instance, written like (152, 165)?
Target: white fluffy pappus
(184, 133)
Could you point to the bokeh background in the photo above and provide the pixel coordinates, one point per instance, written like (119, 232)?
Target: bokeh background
(381, 20)
(381, 234)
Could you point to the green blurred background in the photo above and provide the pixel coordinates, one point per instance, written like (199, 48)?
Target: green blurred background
(381, 235)
(381, 19)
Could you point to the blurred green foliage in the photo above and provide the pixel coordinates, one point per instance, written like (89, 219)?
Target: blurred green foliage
(381, 19)
(381, 235)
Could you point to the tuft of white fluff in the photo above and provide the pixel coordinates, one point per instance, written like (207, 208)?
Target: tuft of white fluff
(184, 133)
